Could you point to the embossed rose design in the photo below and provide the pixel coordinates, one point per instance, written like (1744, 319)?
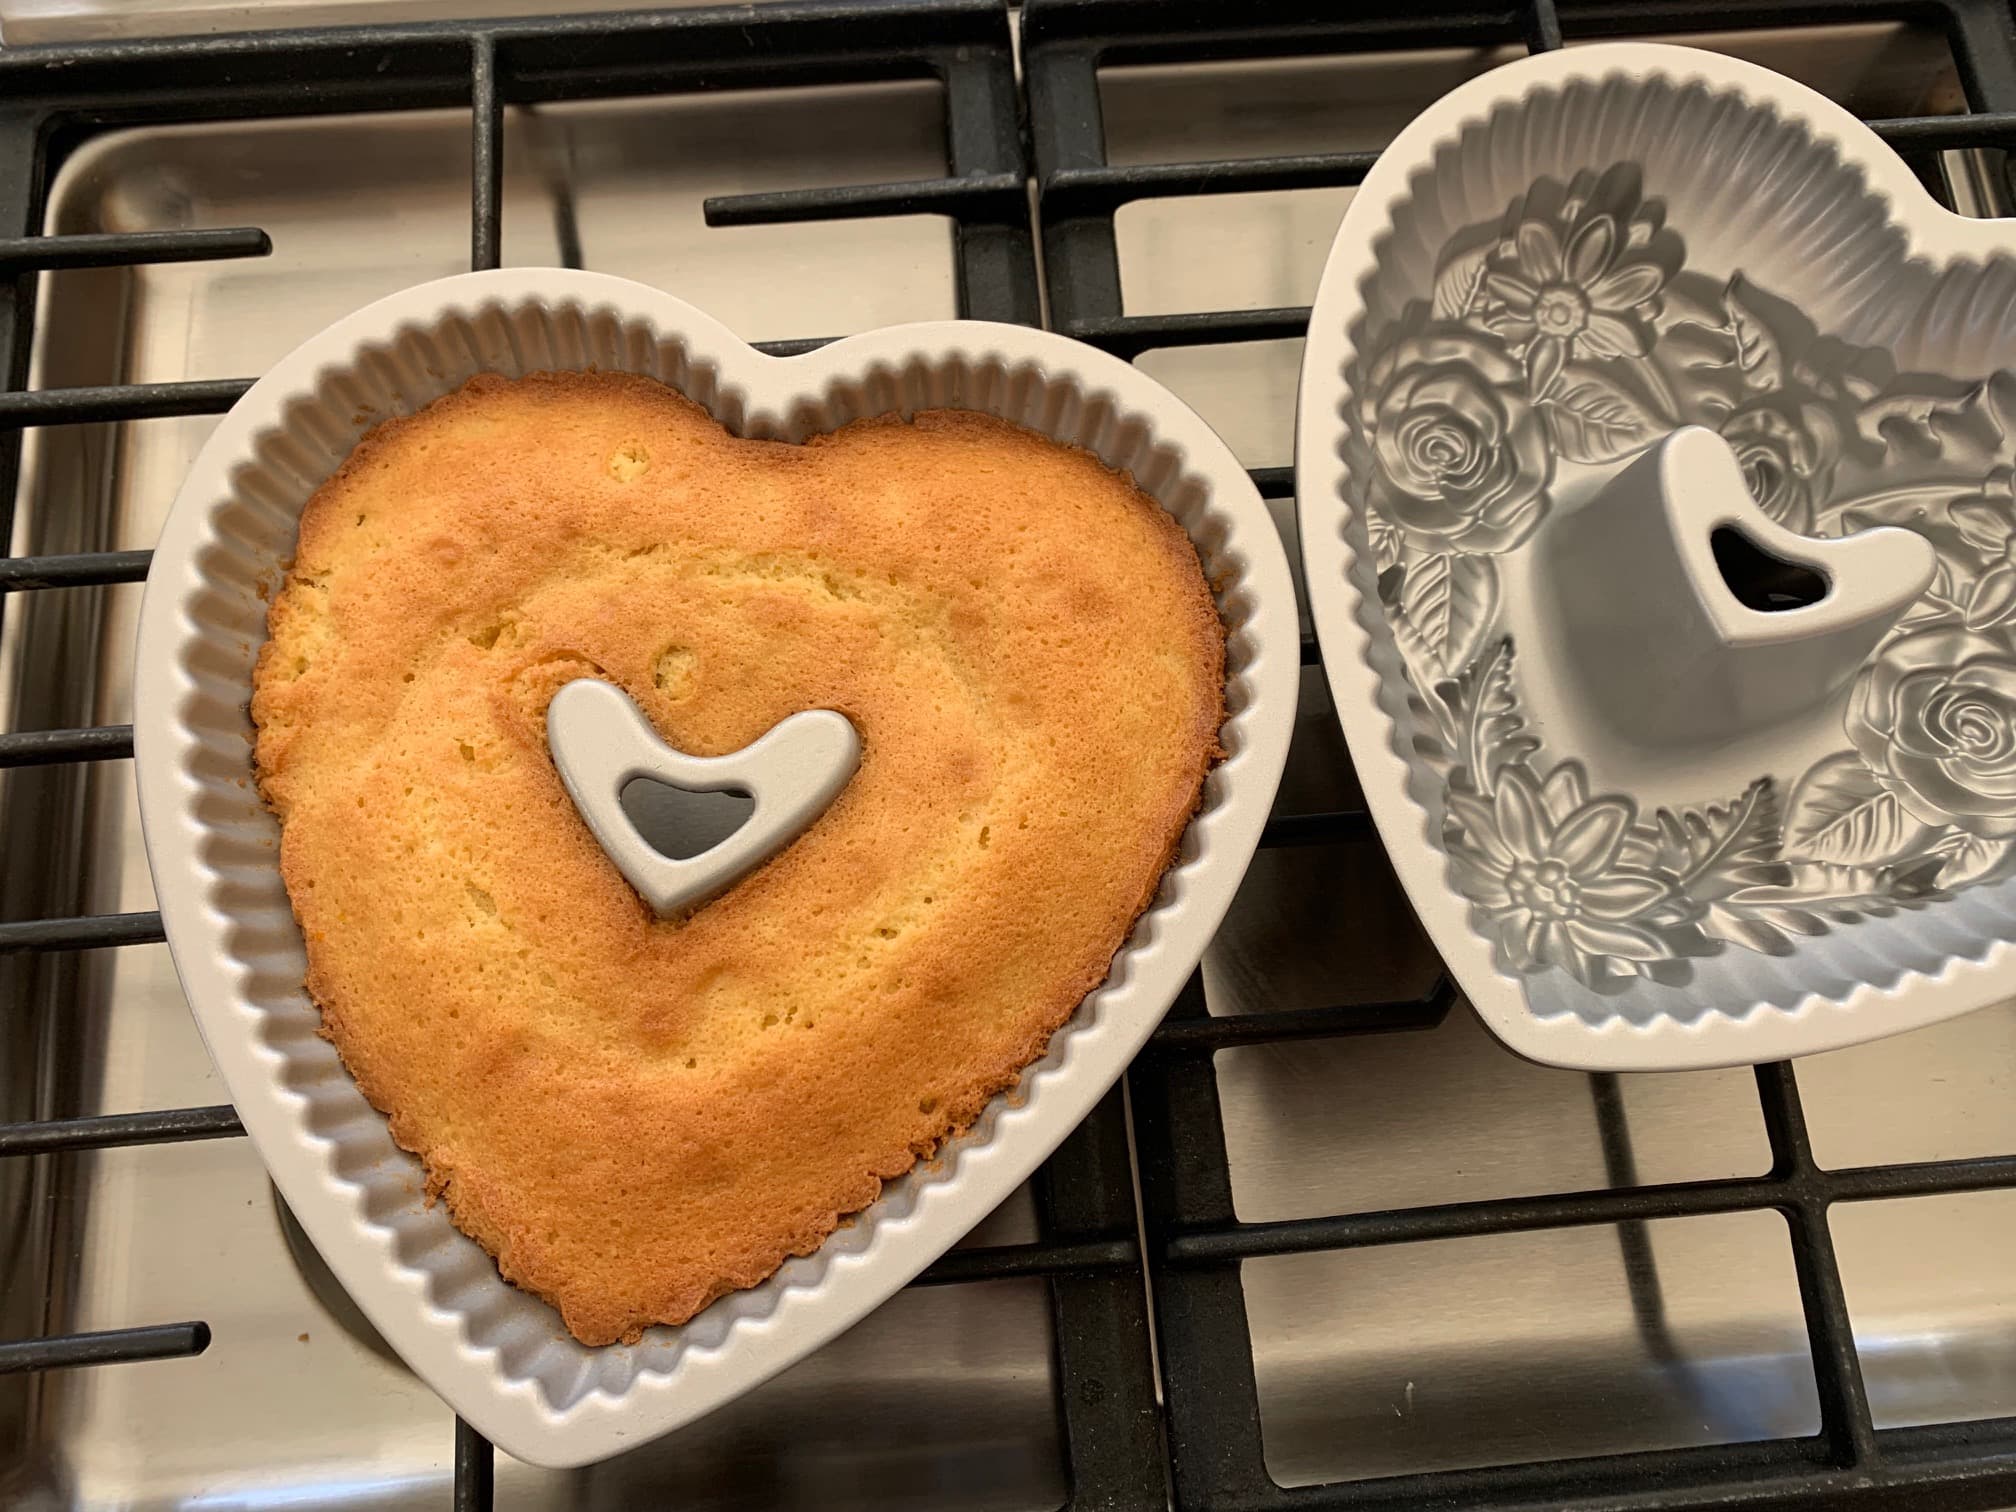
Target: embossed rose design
(1789, 443)
(1553, 872)
(1460, 458)
(1934, 716)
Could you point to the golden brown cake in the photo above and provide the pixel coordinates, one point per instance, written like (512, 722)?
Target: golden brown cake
(637, 1115)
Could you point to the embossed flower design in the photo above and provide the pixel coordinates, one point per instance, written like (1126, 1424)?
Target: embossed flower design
(1987, 521)
(1553, 872)
(1789, 443)
(1934, 716)
(1581, 281)
(1460, 458)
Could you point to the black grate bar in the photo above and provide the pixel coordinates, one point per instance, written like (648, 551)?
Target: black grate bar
(1208, 1378)
(1067, 131)
(1183, 31)
(1178, 31)
(110, 1130)
(1093, 191)
(44, 747)
(475, 1470)
(486, 157)
(794, 348)
(1984, 45)
(1316, 829)
(1776, 1473)
(77, 570)
(1936, 133)
(1543, 27)
(115, 1346)
(1131, 335)
(975, 197)
(1273, 482)
(1837, 1373)
(1102, 189)
(1008, 1261)
(995, 261)
(415, 64)
(122, 401)
(1205, 1035)
(1462, 1220)
(1106, 1407)
(126, 249)
(1511, 1215)
(86, 932)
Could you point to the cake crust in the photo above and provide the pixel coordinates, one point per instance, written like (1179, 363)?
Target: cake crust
(634, 1115)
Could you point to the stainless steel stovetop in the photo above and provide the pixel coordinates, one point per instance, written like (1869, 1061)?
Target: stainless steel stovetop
(1370, 1361)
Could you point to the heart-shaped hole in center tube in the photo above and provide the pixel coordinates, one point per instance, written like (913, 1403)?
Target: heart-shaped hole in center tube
(658, 813)
(682, 825)
(1761, 581)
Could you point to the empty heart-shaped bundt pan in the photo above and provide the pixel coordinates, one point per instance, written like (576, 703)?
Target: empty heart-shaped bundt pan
(499, 1355)
(1654, 456)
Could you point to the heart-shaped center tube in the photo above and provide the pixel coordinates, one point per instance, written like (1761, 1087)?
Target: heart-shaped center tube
(1694, 617)
(601, 743)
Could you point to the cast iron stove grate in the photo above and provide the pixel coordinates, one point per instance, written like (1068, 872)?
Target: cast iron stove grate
(1195, 1242)
(1119, 1453)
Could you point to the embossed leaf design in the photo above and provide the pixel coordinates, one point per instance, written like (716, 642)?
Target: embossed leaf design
(1385, 540)
(1698, 362)
(1719, 850)
(1759, 928)
(1757, 351)
(1841, 815)
(1910, 505)
(1911, 420)
(1692, 298)
(1424, 665)
(1970, 858)
(1449, 599)
(1594, 418)
(1952, 428)
(1491, 735)
(1819, 896)
(1457, 285)
(1434, 731)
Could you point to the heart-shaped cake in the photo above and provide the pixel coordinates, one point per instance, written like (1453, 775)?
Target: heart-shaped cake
(1662, 799)
(1044, 594)
(636, 1114)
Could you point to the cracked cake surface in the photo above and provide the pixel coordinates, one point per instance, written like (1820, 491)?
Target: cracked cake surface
(637, 1115)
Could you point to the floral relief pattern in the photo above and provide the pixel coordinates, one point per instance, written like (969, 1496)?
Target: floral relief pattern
(1563, 877)
(1935, 719)
(1788, 444)
(1461, 456)
(1571, 331)
(1577, 274)
(1987, 522)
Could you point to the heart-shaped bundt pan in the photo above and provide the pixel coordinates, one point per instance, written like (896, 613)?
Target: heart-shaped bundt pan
(1652, 819)
(498, 1355)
